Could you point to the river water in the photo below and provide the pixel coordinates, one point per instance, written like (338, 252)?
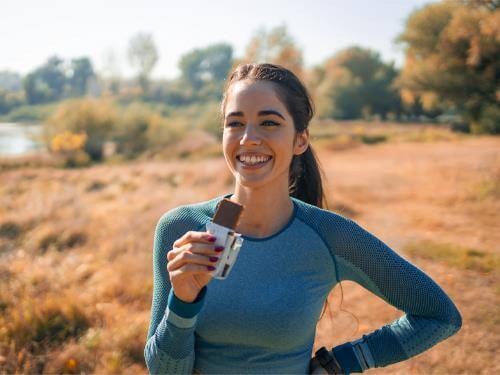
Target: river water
(19, 139)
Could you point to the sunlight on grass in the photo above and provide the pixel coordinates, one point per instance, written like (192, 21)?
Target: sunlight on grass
(455, 255)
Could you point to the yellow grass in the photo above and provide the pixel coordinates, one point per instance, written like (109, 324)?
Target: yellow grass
(75, 249)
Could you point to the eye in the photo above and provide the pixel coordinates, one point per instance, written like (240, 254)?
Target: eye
(270, 123)
(233, 124)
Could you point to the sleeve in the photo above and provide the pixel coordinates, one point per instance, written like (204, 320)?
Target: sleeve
(430, 315)
(170, 342)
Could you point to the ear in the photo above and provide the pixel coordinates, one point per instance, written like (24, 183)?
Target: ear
(301, 142)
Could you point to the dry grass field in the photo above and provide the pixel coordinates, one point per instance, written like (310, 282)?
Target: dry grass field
(75, 249)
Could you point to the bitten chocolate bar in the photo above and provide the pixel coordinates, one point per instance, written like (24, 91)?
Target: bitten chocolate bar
(223, 226)
(228, 213)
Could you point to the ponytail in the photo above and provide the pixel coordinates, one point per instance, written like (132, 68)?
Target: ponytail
(304, 181)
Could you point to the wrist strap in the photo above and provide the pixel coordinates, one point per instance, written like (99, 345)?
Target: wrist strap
(328, 361)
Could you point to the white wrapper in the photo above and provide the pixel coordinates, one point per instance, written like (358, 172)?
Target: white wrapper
(231, 242)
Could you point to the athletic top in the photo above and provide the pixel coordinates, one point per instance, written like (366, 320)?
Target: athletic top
(262, 318)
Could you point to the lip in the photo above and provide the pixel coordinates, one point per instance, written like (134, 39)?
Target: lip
(252, 153)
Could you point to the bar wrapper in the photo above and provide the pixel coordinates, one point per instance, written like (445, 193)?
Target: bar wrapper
(222, 227)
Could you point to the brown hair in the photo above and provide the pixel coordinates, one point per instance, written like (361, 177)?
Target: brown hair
(305, 175)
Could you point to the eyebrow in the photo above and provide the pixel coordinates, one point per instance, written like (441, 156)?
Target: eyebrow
(261, 113)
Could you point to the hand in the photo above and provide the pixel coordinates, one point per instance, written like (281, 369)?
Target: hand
(188, 262)
(315, 367)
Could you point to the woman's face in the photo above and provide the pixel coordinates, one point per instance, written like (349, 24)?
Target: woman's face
(259, 138)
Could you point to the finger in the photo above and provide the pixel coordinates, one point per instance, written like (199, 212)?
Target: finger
(188, 258)
(193, 236)
(195, 248)
(191, 269)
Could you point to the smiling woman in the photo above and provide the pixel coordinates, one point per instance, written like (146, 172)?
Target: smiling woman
(262, 318)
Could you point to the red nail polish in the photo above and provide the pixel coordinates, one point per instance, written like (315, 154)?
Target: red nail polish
(214, 259)
(210, 268)
(212, 239)
(219, 248)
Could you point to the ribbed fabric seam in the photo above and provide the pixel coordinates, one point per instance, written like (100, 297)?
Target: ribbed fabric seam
(325, 243)
(179, 321)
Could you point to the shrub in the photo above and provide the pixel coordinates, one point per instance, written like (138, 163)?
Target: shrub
(460, 126)
(210, 120)
(488, 122)
(70, 148)
(373, 138)
(130, 133)
(164, 132)
(95, 118)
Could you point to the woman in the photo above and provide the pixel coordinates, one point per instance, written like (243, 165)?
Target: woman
(262, 318)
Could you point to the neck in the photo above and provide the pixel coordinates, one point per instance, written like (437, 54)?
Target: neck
(266, 210)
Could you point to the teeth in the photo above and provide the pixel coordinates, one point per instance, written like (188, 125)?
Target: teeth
(253, 159)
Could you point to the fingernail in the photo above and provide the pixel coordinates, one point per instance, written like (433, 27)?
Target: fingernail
(212, 239)
(214, 259)
(210, 268)
(219, 248)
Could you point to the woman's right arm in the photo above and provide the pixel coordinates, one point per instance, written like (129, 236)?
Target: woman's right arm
(170, 345)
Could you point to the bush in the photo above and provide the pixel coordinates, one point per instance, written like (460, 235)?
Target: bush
(489, 121)
(69, 147)
(210, 120)
(460, 126)
(130, 133)
(95, 118)
(141, 128)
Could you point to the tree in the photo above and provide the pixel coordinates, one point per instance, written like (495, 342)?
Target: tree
(46, 83)
(207, 68)
(10, 81)
(452, 51)
(81, 73)
(275, 46)
(355, 82)
(143, 56)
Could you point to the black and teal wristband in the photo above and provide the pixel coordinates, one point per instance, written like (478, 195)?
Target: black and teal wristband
(347, 358)
(185, 309)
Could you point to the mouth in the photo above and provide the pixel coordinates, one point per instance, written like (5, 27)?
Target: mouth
(252, 160)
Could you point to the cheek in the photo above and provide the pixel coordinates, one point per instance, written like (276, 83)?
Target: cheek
(227, 146)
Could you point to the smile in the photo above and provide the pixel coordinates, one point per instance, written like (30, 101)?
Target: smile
(248, 160)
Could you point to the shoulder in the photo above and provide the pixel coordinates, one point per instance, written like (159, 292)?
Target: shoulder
(335, 229)
(320, 219)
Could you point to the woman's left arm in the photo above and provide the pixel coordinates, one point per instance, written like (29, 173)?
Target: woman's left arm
(430, 315)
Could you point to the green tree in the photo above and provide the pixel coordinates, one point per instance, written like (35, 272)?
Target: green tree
(355, 82)
(206, 68)
(81, 72)
(46, 83)
(452, 51)
(143, 56)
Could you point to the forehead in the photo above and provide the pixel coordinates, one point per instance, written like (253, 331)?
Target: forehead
(249, 96)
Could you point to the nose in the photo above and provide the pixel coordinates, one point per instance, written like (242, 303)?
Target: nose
(251, 136)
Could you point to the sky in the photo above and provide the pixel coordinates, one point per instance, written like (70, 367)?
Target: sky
(33, 30)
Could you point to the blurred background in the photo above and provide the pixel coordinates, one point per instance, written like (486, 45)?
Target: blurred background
(109, 116)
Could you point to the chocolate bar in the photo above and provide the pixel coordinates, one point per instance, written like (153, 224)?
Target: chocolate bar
(228, 213)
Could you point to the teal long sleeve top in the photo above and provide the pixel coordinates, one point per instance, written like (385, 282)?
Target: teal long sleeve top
(262, 318)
